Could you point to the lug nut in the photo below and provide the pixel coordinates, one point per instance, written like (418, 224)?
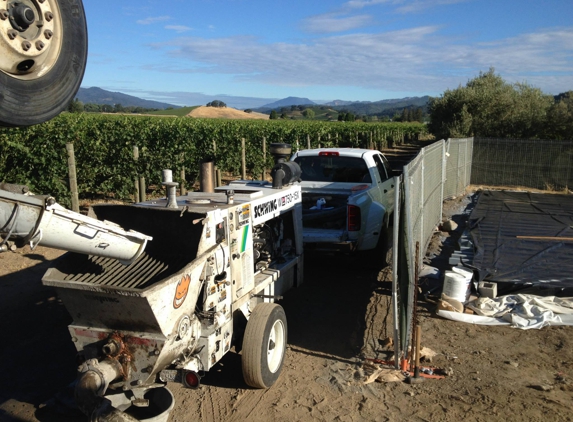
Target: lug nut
(40, 45)
(4, 14)
(48, 34)
(26, 45)
(12, 34)
(49, 16)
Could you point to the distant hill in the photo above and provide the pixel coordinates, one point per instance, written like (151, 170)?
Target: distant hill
(287, 102)
(225, 113)
(384, 107)
(96, 95)
(330, 110)
(341, 103)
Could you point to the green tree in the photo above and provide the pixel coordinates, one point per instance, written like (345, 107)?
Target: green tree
(488, 106)
(349, 117)
(559, 122)
(273, 115)
(76, 106)
(308, 113)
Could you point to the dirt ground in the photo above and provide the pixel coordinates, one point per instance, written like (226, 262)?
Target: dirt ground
(340, 316)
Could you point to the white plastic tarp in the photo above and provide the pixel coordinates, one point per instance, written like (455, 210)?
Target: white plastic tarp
(520, 311)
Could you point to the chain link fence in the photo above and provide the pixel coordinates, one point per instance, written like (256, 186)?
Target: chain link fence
(538, 164)
(439, 171)
(459, 154)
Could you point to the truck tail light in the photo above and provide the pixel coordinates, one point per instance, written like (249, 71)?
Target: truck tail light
(328, 154)
(353, 218)
(191, 379)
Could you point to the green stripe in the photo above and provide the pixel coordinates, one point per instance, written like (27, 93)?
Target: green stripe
(244, 242)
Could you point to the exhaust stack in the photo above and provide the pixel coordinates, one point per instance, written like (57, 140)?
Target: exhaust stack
(284, 172)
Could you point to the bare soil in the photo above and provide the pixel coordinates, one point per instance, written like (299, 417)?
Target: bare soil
(340, 316)
(225, 113)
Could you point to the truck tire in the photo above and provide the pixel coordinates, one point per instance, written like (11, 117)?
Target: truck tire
(376, 258)
(264, 345)
(43, 53)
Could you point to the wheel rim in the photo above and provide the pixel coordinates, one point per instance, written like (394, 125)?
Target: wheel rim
(30, 37)
(275, 346)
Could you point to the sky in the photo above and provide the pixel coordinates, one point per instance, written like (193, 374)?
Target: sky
(252, 52)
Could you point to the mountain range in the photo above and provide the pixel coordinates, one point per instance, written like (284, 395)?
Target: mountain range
(100, 96)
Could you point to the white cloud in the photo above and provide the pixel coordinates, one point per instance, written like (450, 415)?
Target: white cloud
(331, 22)
(154, 19)
(416, 59)
(403, 6)
(178, 28)
(420, 5)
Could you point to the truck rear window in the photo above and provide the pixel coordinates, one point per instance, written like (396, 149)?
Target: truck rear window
(334, 169)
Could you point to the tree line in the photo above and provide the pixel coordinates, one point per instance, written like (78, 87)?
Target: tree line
(76, 106)
(487, 106)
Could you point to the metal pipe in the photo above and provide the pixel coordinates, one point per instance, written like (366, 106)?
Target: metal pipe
(91, 387)
(171, 188)
(207, 177)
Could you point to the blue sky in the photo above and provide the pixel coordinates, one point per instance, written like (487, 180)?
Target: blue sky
(188, 52)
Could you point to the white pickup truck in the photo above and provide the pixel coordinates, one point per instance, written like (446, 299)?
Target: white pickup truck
(348, 197)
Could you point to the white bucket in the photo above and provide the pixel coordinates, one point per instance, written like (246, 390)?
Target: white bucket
(456, 286)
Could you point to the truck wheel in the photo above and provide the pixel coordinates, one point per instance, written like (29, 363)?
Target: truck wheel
(376, 258)
(43, 52)
(264, 345)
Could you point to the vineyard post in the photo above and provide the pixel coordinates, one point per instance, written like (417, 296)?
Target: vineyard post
(264, 175)
(243, 159)
(218, 181)
(72, 177)
(136, 182)
(318, 140)
(182, 161)
(336, 139)
(142, 189)
(307, 141)
(297, 145)
(371, 141)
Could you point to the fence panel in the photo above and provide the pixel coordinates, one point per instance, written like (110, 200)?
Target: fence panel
(458, 165)
(427, 179)
(538, 164)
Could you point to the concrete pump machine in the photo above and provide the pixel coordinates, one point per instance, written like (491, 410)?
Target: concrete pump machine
(158, 291)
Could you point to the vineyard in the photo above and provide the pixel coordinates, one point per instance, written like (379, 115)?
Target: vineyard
(36, 156)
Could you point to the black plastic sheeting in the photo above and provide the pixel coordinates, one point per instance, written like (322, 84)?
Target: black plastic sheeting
(533, 266)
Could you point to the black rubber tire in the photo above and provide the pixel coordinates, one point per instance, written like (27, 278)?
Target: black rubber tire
(29, 102)
(376, 258)
(265, 340)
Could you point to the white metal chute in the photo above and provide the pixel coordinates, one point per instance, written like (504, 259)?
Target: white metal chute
(64, 229)
(38, 220)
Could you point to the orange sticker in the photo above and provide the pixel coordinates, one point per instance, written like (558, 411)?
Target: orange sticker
(181, 291)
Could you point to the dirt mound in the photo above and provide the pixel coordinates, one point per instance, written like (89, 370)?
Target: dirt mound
(225, 113)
